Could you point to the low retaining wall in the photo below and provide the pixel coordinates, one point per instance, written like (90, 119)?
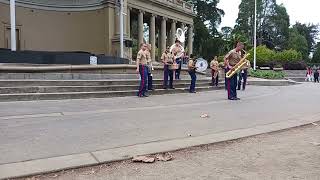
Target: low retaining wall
(6, 70)
(45, 57)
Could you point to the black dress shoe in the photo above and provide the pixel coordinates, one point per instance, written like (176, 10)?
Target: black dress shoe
(151, 89)
(165, 88)
(237, 98)
(172, 88)
(233, 99)
(145, 95)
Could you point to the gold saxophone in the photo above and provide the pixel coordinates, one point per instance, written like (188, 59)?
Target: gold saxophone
(237, 67)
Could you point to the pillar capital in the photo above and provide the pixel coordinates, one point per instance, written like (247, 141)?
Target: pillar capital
(164, 18)
(174, 21)
(153, 15)
(141, 11)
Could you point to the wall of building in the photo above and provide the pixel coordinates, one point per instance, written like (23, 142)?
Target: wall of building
(57, 31)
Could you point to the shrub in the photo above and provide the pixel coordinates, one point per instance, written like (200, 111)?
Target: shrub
(264, 55)
(288, 56)
(267, 74)
(288, 59)
(300, 65)
(221, 59)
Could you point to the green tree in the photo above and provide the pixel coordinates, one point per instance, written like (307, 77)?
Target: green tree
(226, 32)
(272, 22)
(279, 27)
(298, 42)
(310, 32)
(207, 11)
(208, 17)
(316, 55)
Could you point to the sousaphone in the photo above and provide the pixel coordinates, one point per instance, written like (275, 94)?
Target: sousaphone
(180, 35)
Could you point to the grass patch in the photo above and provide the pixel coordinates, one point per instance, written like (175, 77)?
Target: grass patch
(267, 74)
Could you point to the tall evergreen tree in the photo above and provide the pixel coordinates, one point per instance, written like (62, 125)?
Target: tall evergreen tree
(272, 22)
(298, 42)
(310, 32)
(316, 55)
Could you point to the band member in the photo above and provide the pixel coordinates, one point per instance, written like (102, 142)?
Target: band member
(142, 70)
(192, 73)
(168, 60)
(150, 67)
(185, 58)
(231, 59)
(243, 75)
(177, 50)
(214, 65)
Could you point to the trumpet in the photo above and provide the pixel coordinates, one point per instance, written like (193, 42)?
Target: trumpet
(237, 67)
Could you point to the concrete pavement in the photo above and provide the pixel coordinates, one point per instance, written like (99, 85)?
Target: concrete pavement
(95, 128)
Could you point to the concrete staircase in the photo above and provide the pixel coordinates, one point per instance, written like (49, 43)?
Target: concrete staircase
(296, 75)
(53, 86)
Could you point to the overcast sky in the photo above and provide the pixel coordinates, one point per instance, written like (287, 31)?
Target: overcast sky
(303, 11)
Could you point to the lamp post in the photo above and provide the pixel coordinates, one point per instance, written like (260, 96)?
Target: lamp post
(13, 25)
(121, 28)
(255, 36)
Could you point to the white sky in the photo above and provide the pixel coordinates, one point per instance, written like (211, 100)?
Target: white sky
(306, 11)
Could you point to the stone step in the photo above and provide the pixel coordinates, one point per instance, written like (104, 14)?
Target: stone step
(97, 94)
(57, 89)
(297, 79)
(18, 83)
(83, 76)
(77, 76)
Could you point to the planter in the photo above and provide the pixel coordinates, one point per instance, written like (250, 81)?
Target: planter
(265, 68)
(278, 69)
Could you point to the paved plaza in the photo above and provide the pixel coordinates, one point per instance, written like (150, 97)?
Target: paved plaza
(44, 129)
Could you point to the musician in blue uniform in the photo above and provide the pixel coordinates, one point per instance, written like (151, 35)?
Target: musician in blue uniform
(192, 73)
(149, 67)
(141, 64)
(168, 61)
(243, 75)
(231, 59)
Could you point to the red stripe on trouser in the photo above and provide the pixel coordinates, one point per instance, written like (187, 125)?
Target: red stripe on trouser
(142, 81)
(229, 88)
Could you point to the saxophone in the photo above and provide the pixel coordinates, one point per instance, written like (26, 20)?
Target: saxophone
(237, 67)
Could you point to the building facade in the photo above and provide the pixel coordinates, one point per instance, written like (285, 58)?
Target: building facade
(93, 25)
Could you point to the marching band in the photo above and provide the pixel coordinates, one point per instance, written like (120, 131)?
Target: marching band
(172, 59)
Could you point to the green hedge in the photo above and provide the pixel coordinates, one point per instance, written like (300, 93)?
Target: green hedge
(264, 55)
(267, 57)
(267, 74)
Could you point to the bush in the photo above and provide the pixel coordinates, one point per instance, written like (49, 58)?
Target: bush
(300, 65)
(288, 56)
(264, 56)
(221, 59)
(288, 59)
(267, 74)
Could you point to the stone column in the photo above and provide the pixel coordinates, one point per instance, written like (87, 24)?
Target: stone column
(128, 22)
(173, 31)
(152, 36)
(190, 39)
(163, 34)
(140, 27)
